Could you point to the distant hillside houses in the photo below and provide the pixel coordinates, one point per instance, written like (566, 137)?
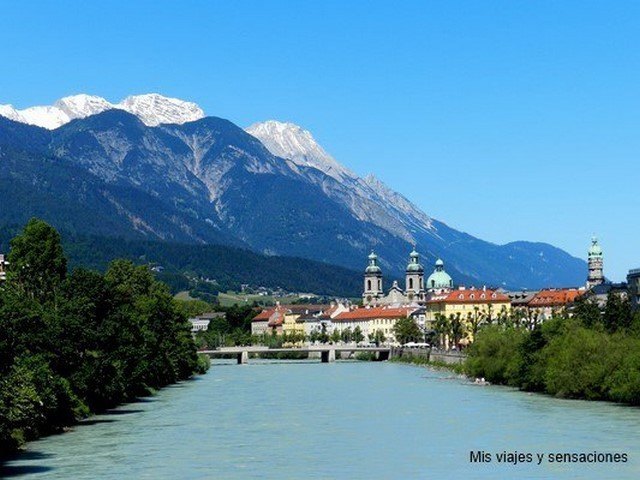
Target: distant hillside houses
(437, 299)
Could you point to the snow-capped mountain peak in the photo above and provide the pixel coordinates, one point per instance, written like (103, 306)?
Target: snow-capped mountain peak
(153, 109)
(81, 106)
(290, 141)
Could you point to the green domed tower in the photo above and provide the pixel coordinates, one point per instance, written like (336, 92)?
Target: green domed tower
(414, 285)
(372, 281)
(439, 280)
(596, 264)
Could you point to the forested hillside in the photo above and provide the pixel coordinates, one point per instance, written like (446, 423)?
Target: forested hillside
(228, 266)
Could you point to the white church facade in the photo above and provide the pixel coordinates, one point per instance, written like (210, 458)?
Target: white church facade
(416, 289)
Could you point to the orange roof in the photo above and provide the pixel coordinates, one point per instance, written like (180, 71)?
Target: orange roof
(471, 295)
(375, 312)
(555, 297)
(264, 315)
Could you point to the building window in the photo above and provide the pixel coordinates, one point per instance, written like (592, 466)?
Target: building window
(369, 285)
(411, 283)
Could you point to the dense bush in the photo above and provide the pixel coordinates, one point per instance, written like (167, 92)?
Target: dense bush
(593, 355)
(494, 355)
(72, 344)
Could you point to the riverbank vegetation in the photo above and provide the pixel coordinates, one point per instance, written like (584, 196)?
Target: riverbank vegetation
(425, 361)
(72, 344)
(593, 355)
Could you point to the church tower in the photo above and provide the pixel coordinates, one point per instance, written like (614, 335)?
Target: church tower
(414, 285)
(372, 281)
(595, 259)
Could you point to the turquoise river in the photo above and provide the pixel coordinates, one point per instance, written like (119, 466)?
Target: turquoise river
(351, 420)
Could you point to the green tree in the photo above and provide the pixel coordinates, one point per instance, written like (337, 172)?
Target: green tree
(335, 336)
(442, 327)
(358, 336)
(457, 327)
(407, 330)
(347, 335)
(378, 337)
(80, 343)
(37, 262)
(617, 313)
(588, 311)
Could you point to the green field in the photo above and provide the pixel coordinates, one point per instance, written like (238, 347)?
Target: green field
(234, 298)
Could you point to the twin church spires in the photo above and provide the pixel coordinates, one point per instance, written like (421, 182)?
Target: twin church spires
(415, 286)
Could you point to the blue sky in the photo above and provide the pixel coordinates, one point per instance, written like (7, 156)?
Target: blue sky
(506, 119)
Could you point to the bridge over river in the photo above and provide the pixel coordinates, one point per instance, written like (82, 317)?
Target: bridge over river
(327, 352)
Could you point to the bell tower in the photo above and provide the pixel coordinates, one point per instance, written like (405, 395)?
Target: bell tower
(596, 264)
(372, 281)
(414, 278)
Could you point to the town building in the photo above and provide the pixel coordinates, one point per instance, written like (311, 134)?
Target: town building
(260, 323)
(595, 260)
(551, 302)
(471, 306)
(201, 323)
(372, 319)
(3, 268)
(416, 290)
(600, 293)
(322, 322)
(294, 319)
(633, 287)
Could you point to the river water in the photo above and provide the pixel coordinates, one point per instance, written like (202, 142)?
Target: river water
(352, 420)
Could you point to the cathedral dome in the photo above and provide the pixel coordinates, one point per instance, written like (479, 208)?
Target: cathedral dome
(439, 278)
(414, 263)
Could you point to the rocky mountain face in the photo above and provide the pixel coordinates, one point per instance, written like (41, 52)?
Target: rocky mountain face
(167, 172)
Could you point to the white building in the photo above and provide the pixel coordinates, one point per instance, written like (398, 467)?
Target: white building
(3, 268)
(372, 319)
(199, 324)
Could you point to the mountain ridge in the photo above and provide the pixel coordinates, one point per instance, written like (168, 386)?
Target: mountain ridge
(153, 109)
(209, 181)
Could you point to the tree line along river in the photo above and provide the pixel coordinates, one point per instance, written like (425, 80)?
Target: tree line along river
(369, 420)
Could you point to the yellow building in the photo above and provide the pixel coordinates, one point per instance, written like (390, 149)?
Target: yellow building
(469, 306)
(290, 325)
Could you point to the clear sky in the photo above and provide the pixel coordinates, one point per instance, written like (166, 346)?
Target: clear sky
(510, 120)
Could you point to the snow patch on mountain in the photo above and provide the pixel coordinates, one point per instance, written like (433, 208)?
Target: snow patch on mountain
(152, 109)
(289, 141)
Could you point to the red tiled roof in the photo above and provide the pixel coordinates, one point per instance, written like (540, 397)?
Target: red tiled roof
(550, 298)
(471, 295)
(264, 315)
(375, 312)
